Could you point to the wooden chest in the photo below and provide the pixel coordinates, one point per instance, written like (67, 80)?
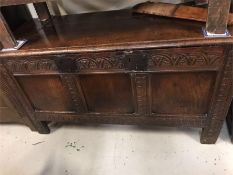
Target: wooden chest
(115, 67)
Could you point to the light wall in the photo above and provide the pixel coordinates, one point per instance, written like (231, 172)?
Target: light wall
(83, 6)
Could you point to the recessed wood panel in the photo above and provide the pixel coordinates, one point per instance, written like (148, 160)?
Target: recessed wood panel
(107, 93)
(7, 111)
(182, 93)
(46, 92)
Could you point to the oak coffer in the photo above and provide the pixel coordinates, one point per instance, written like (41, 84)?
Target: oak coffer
(116, 67)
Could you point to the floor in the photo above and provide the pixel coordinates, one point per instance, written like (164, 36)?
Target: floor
(112, 150)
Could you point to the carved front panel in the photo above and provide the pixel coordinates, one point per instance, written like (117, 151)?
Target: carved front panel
(121, 82)
(136, 60)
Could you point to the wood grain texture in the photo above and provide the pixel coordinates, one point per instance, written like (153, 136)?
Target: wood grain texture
(8, 114)
(176, 11)
(218, 14)
(107, 31)
(100, 91)
(220, 103)
(170, 121)
(72, 85)
(53, 96)
(182, 93)
(119, 68)
(230, 111)
(13, 91)
(178, 59)
(185, 58)
(100, 81)
(140, 84)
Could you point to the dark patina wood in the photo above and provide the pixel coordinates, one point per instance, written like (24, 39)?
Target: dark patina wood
(116, 67)
(123, 68)
(42, 11)
(8, 112)
(178, 11)
(12, 90)
(230, 121)
(230, 112)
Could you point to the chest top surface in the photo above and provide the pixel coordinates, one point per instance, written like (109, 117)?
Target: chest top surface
(110, 31)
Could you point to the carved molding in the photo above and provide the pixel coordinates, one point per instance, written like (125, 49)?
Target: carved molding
(141, 85)
(30, 65)
(99, 63)
(55, 63)
(76, 95)
(223, 95)
(219, 108)
(118, 60)
(180, 58)
(199, 122)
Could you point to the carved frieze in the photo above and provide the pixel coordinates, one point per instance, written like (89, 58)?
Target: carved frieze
(185, 58)
(99, 63)
(120, 60)
(67, 63)
(75, 93)
(141, 85)
(31, 65)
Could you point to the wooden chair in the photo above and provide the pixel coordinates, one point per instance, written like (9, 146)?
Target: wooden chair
(7, 39)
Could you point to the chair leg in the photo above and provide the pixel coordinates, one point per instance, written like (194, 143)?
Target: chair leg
(42, 128)
(218, 16)
(42, 11)
(210, 134)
